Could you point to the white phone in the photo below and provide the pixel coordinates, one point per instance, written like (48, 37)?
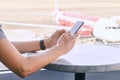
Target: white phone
(76, 27)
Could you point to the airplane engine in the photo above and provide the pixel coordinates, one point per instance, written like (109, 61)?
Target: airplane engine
(106, 29)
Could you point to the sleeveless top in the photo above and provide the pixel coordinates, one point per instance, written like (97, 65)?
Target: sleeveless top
(2, 35)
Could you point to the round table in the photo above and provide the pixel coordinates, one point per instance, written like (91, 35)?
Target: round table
(84, 58)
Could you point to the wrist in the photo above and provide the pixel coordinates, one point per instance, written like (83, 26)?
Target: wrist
(60, 50)
(42, 45)
(47, 43)
(57, 51)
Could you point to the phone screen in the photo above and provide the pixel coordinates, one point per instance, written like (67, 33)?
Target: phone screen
(76, 27)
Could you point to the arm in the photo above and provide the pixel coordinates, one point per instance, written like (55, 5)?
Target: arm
(27, 46)
(24, 66)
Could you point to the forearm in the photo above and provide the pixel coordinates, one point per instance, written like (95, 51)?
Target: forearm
(27, 46)
(24, 66)
(30, 64)
(39, 61)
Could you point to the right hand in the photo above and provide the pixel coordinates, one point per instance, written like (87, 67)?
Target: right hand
(66, 42)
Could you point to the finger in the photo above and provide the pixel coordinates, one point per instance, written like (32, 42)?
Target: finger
(70, 36)
(62, 31)
(76, 35)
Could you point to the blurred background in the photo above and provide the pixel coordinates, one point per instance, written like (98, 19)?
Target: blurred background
(42, 11)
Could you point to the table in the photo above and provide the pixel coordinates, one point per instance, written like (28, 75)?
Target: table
(84, 58)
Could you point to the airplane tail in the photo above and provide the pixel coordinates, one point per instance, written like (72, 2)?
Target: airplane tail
(56, 5)
(56, 10)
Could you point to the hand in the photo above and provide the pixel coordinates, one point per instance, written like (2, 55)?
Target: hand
(66, 42)
(52, 40)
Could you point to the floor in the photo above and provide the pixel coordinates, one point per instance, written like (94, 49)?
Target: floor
(54, 75)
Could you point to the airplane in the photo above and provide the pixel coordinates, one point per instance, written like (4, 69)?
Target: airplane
(107, 30)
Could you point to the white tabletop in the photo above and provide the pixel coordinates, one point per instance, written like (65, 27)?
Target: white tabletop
(88, 58)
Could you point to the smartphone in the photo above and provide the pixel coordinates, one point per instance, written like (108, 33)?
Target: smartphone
(76, 27)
